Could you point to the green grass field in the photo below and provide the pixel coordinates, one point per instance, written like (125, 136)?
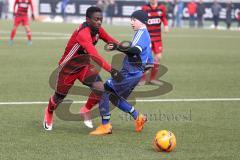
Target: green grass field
(201, 64)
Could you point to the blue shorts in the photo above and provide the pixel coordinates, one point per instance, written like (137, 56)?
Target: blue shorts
(126, 86)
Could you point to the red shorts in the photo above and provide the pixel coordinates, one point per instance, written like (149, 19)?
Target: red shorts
(157, 47)
(21, 20)
(65, 80)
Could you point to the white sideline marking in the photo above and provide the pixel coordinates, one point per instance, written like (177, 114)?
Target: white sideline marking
(37, 38)
(67, 35)
(138, 100)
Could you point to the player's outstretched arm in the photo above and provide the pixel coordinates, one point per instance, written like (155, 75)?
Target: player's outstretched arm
(86, 42)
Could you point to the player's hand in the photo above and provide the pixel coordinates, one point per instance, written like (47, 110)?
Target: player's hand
(33, 17)
(116, 75)
(111, 46)
(166, 29)
(124, 46)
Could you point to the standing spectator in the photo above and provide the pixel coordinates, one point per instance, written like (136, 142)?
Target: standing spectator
(5, 8)
(229, 8)
(170, 4)
(111, 11)
(200, 13)
(192, 8)
(1, 6)
(63, 6)
(103, 4)
(216, 8)
(238, 19)
(178, 10)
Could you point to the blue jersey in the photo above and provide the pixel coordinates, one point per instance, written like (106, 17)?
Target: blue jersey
(141, 39)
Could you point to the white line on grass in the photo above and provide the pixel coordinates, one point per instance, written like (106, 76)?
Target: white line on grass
(67, 35)
(37, 38)
(138, 100)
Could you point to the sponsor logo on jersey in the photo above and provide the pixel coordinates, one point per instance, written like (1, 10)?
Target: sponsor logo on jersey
(23, 5)
(154, 21)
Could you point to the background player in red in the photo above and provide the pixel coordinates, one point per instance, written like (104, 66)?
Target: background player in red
(156, 17)
(75, 64)
(20, 13)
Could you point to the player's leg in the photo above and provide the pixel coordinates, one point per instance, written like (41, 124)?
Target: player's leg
(105, 127)
(122, 104)
(155, 69)
(117, 93)
(143, 80)
(89, 76)
(17, 21)
(63, 84)
(53, 103)
(157, 50)
(28, 30)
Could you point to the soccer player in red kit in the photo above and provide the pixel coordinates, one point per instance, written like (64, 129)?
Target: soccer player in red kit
(75, 65)
(156, 17)
(21, 17)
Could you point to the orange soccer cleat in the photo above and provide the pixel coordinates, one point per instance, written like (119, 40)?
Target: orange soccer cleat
(103, 129)
(139, 122)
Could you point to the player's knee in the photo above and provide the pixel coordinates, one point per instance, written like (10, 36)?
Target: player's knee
(157, 58)
(58, 98)
(98, 87)
(113, 99)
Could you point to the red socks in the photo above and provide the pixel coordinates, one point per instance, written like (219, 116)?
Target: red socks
(154, 71)
(93, 99)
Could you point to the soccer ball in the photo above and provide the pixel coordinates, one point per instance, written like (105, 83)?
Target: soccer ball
(164, 141)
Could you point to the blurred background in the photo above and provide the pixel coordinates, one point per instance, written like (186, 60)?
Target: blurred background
(181, 13)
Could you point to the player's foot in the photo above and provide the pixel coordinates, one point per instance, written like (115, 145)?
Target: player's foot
(141, 83)
(156, 82)
(139, 122)
(29, 43)
(103, 129)
(10, 42)
(86, 114)
(48, 120)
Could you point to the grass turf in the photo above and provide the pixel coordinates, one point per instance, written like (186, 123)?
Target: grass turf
(201, 64)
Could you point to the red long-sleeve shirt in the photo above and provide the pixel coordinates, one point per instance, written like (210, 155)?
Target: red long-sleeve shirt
(156, 16)
(22, 9)
(192, 8)
(81, 47)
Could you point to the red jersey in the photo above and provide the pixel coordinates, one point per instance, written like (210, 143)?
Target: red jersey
(192, 8)
(156, 16)
(22, 9)
(81, 47)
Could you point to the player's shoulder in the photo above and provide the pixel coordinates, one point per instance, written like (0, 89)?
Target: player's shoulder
(83, 28)
(143, 33)
(146, 7)
(162, 7)
(101, 30)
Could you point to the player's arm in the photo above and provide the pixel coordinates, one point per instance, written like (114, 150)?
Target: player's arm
(164, 19)
(138, 45)
(85, 41)
(106, 37)
(32, 10)
(112, 43)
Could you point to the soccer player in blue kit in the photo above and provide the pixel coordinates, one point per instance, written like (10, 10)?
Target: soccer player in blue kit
(137, 60)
